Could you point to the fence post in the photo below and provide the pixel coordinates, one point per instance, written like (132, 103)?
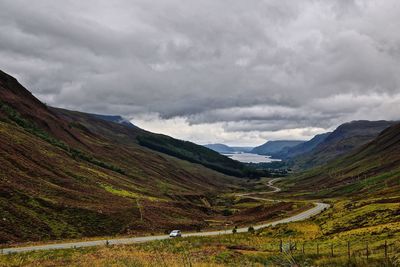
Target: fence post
(317, 249)
(386, 254)
(366, 248)
(348, 249)
(331, 250)
(302, 248)
(280, 246)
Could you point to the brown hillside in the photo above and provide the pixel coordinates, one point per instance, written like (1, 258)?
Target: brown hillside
(66, 174)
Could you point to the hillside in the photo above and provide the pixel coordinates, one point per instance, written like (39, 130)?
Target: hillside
(344, 139)
(67, 174)
(177, 148)
(272, 147)
(302, 148)
(372, 170)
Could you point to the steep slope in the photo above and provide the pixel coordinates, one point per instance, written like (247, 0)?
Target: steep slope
(177, 148)
(372, 170)
(345, 138)
(62, 177)
(274, 147)
(291, 152)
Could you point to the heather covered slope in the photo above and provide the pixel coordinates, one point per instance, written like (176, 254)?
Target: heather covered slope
(130, 135)
(60, 178)
(372, 170)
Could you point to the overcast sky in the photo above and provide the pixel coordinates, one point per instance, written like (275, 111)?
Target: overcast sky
(237, 72)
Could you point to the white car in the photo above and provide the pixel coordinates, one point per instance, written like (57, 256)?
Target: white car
(175, 233)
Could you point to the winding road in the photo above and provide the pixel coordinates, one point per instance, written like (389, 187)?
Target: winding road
(270, 184)
(318, 208)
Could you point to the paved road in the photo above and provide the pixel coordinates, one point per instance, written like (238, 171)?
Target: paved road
(270, 184)
(318, 208)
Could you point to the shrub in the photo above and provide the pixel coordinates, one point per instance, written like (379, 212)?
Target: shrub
(251, 230)
(234, 230)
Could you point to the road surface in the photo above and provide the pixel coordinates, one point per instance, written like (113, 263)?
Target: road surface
(270, 184)
(318, 208)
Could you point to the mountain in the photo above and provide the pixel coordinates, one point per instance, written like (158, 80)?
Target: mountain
(302, 148)
(371, 170)
(220, 148)
(345, 138)
(272, 147)
(68, 174)
(224, 149)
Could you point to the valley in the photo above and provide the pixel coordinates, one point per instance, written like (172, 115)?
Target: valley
(200, 133)
(303, 215)
(82, 186)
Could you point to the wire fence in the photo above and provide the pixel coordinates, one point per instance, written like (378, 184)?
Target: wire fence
(385, 251)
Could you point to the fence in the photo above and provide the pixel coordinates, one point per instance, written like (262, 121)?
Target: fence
(384, 251)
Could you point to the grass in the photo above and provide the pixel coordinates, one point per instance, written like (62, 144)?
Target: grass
(324, 240)
(231, 250)
(128, 194)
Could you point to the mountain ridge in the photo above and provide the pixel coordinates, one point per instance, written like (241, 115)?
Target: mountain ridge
(272, 147)
(345, 138)
(371, 170)
(302, 148)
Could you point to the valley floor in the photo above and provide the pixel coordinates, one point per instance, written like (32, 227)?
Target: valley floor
(248, 207)
(350, 233)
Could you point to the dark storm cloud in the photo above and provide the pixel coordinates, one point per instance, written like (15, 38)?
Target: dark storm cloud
(246, 66)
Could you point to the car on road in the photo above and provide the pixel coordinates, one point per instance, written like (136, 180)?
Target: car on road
(175, 233)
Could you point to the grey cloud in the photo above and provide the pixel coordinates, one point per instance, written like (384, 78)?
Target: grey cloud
(259, 65)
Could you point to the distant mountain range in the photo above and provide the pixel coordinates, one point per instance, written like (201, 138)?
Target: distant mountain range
(302, 148)
(321, 149)
(224, 149)
(274, 147)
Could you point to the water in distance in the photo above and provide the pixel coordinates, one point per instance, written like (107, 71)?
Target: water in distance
(251, 158)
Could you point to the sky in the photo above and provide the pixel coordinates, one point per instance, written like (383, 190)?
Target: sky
(230, 71)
